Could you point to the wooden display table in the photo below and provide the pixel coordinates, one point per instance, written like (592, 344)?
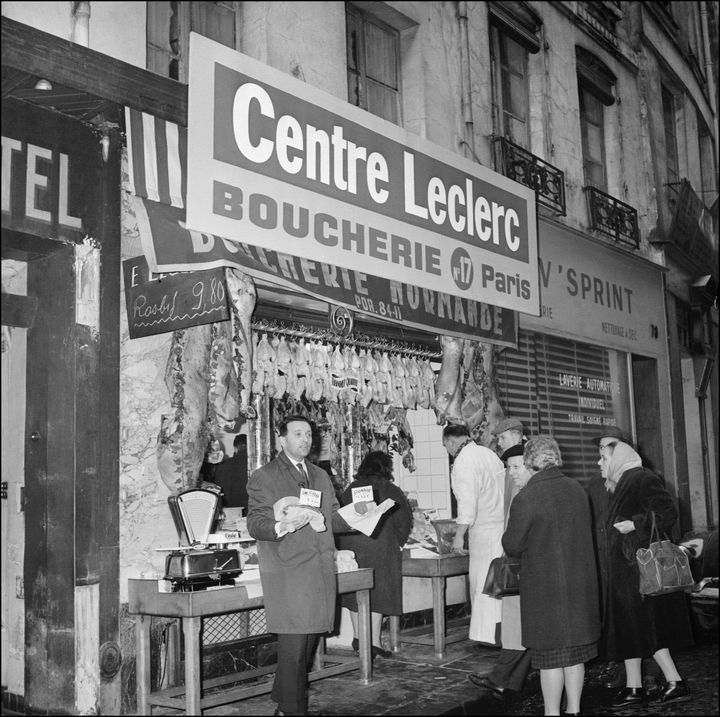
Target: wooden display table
(437, 569)
(145, 601)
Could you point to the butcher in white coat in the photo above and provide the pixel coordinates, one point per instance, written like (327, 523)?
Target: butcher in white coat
(478, 483)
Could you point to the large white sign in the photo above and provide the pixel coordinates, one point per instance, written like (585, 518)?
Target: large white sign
(285, 166)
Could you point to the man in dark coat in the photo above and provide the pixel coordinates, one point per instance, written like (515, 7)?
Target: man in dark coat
(297, 561)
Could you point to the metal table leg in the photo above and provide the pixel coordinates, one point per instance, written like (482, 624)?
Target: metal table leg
(364, 636)
(193, 666)
(142, 664)
(438, 591)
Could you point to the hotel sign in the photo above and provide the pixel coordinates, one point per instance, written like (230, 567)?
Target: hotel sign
(280, 165)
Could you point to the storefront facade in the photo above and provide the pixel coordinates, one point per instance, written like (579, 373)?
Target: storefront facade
(583, 344)
(60, 355)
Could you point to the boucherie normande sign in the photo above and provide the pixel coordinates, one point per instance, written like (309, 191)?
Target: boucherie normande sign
(278, 164)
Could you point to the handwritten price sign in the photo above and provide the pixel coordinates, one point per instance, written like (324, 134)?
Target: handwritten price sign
(166, 302)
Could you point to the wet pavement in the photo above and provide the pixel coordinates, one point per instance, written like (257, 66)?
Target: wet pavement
(415, 682)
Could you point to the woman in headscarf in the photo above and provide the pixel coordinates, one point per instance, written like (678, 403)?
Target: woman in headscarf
(634, 626)
(549, 530)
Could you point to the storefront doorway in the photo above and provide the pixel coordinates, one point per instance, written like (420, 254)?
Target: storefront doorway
(37, 444)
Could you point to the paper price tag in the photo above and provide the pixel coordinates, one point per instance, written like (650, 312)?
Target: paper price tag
(362, 494)
(310, 497)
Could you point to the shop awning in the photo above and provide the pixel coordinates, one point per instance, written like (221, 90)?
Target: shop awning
(157, 167)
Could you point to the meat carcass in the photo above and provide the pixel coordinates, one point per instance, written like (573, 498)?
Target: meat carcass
(484, 432)
(426, 399)
(223, 408)
(183, 437)
(448, 387)
(264, 366)
(243, 296)
(336, 370)
(283, 367)
(301, 364)
(473, 402)
(318, 372)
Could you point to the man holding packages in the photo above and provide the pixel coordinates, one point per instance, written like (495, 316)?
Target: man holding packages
(291, 505)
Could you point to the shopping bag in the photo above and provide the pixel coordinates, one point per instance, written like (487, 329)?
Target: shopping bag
(503, 577)
(664, 567)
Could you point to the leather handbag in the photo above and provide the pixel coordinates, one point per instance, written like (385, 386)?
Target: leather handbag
(664, 567)
(503, 577)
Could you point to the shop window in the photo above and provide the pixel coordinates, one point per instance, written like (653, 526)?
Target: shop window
(373, 64)
(168, 32)
(566, 389)
(595, 88)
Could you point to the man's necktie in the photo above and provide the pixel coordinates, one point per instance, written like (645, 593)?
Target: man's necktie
(304, 481)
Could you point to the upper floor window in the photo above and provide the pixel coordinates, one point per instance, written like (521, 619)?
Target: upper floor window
(595, 85)
(669, 110)
(168, 32)
(513, 36)
(509, 87)
(593, 139)
(373, 64)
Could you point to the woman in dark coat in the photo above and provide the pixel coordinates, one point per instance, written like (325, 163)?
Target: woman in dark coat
(637, 627)
(549, 530)
(383, 550)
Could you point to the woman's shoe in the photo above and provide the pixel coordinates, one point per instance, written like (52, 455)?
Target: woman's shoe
(629, 696)
(676, 692)
(355, 645)
(379, 652)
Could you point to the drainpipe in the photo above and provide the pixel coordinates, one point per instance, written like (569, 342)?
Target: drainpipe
(701, 395)
(81, 23)
(708, 65)
(468, 140)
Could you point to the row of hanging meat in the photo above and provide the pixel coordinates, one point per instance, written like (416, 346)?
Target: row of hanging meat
(296, 367)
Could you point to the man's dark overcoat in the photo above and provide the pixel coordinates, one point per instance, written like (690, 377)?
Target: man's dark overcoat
(549, 530)
(634, 626)
(297, 571)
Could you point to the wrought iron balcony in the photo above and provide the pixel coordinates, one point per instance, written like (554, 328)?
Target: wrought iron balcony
(613, 217)
(522, 166)
(688, 240)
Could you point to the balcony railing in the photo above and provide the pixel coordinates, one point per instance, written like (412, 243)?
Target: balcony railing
(613, 217)
(521, 166)
(689, 239)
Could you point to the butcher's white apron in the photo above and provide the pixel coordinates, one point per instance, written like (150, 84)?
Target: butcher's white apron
(484, 543)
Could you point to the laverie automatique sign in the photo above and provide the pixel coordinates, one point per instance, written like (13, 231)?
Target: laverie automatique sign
(278, 164)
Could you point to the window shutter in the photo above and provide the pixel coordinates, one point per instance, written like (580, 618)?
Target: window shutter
(595, 75)
(519, 21)
(529, 381)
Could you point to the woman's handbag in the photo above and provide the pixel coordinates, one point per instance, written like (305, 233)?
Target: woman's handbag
(503, 577)
(664, 567)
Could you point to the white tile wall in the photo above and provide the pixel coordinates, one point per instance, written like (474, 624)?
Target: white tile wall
(430, 483)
